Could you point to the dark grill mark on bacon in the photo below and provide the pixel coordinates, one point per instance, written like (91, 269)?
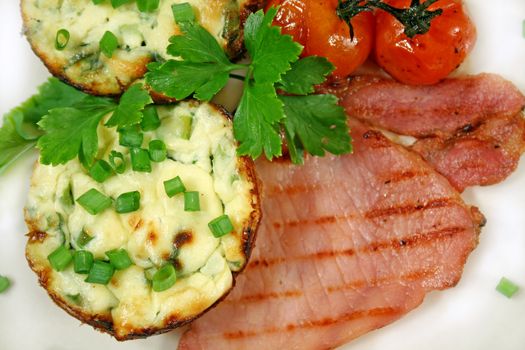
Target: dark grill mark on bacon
(412, 276)
(323, 220)
(394, 244)
(325, 322)
(408, 209)
(393, 178)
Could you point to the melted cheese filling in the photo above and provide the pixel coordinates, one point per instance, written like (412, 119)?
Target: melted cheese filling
(142, 37)
(202, 151)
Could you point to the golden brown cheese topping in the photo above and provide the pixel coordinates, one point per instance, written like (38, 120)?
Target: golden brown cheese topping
(202, 152)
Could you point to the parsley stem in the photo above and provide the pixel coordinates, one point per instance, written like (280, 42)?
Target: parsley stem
(237, 76)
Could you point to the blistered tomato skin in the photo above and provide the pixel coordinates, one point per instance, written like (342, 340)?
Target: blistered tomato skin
(329, 36)
(316, 26)
(291, 18)
(428, 58)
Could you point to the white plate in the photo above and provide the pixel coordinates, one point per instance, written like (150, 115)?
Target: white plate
(471, 316)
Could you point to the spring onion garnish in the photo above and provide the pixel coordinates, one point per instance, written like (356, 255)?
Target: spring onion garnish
(183, 12)
(164, 278)
(61, 39)
(108, 44)
(83, 239)
(60, 258)
(191, 201)
(174, 186)
(149, 273)
(100, 171)
(4, 283)
(221, 226)
(507, 287)
(157, 151)
(150, 120)
(117, 3)
(119, 258)
(140, 160)
(94, 202)
(130, 137)
(82, 261)
(117, 162)
(100, 273)
(128, 202)
(147, 5)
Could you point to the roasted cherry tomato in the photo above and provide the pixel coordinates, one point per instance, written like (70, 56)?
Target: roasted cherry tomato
(291, 18)
(426, 58)
(315, 25)
(329, 36)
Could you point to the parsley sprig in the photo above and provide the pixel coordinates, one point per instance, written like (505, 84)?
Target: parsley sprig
(19, 131)
(71, 132)
(200, 68)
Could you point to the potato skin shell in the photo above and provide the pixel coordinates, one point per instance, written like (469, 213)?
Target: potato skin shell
(104, 322)
(135, 72)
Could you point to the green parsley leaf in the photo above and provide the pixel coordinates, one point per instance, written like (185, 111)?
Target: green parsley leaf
(256, 122)
(51, 94)
(129, 110)
(315, 123)
(19, 131)
(147, 5)
(12, 145)
(197, 45)
(271, 51)
(72, 131)
(108, 44)
(305, 74)
(179, 79)
(205, 67)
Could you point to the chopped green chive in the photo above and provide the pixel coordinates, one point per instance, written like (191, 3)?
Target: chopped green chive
(174, 186)
(157, 151)
(184, 127)
(82, 261)
(4, 283)
(191, 201)
(100, 171)
(507, 287)
(84, 239)
(221, 226)
(149, 273)
(183, 12)
(117, 162)
(108, 43)
(150, 120)
(60, 258)
(140, 160)
(128, 202)
(130, 137)
(62, 39)
(119, 258)
(100, 273)
(164, 278)
(147, 5)
(75, 298)
(94, 202)
(117, 3)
